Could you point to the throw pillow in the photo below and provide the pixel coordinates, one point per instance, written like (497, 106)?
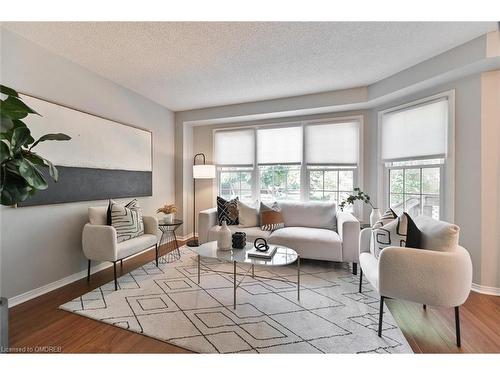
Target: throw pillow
(227, 211)
(127, 220)
(401, 232)
(271, 217)
(247, 216)
(388, 216)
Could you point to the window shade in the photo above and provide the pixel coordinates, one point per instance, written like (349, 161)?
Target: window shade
(332, 144)
(235, 147)
(279, 146)
(418, 132)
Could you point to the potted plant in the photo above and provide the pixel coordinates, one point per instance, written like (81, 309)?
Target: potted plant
(20, 173)
(169, 210)
(359, 195)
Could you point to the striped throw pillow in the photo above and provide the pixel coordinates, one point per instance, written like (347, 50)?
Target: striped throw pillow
(127, 220)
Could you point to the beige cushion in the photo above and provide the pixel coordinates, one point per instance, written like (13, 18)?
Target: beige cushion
(309, 214)
(311, 243)
(98, 215)
(134, 245)
(248, 216)
(437, 235)
(252, 233)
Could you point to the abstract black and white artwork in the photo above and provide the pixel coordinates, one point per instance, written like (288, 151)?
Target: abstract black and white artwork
(104, 159)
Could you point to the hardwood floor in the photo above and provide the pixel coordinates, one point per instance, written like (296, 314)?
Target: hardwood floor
(40, 323)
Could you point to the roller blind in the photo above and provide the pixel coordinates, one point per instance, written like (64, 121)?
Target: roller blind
(332, 144)
(235, 147)
(279, 145)
(417, 132)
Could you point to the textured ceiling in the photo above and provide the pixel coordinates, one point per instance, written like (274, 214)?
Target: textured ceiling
(193, 65)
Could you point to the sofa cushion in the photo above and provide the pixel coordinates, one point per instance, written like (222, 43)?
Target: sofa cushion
(130, 247)
(227, 211)
(311, 243)
(437, 235)
(252, 232)
(97, 215)
(270, 217)
(309, 214)
(247, 216)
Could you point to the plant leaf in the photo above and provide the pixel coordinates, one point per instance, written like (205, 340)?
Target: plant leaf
(5, 123)
(14, 190)
(32, 175)
(52, 137)
(4, 151)
(20, 136)
(14, 108)
(38, 160)
(8, 91)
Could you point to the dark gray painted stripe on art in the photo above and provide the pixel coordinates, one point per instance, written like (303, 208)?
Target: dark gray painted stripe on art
(88, 184)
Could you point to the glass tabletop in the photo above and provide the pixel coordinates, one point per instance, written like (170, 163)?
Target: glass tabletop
(283, 255)
(174, 222)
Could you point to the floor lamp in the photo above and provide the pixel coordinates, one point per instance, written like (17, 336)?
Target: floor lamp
(200, 171)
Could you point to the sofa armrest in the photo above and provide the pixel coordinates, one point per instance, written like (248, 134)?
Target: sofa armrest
(364, 240)
(348, 229)
(206, 220)
(99, 242)
(150, 225)
(430, 277)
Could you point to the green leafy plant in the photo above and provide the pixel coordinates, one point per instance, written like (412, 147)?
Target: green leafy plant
(358, 195)
(20, 174)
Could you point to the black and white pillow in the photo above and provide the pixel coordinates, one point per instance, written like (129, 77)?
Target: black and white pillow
(127, 220)
(401, 232)
(227, 211)
(386, 218)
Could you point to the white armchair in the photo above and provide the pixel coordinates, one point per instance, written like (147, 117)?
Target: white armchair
(99, 240)
(440, 274)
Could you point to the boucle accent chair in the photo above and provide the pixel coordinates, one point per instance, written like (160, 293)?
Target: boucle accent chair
(439, 274)
(316, 230)
(99, 240)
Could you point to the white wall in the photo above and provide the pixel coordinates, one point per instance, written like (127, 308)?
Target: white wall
(42, 244)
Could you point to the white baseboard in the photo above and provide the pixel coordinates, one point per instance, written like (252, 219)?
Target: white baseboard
(24, 297)
(485, 289)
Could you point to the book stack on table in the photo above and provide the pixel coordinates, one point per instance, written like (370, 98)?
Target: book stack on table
(268, 254)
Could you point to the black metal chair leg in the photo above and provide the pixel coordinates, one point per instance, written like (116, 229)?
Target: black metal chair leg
(354, 268)
(360, 278)
(114, 270)
(457, 325)
(121, 264)
(156, 250)
(425, 307)
(380, 315)
(88, 272)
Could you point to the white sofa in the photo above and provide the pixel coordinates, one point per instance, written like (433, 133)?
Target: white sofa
(439, 274)
(99, 240)
(316, 230)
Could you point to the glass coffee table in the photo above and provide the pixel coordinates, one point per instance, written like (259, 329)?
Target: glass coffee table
(282, 257)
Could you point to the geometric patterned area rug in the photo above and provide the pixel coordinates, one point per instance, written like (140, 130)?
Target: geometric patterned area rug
(166, 303)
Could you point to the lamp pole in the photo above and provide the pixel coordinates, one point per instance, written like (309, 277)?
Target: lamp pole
(194, 242)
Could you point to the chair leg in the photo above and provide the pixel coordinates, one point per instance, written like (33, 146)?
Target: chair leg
(156, 250)
(114, 270)
(425, 307)
(380, 315)
(88, 271)
(360, 279)
(121, 264)
(354, 268)
(457, 325)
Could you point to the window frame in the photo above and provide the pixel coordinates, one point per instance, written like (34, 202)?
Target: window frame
(358, 210)
(447, 168)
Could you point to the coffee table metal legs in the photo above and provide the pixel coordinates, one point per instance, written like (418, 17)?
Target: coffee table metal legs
(234, 283)
(199, 269)
(298, 278)
(253, 271)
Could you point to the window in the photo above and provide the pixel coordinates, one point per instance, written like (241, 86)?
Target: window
(416, 158)
(299, 161)
(235, 182)
(414, 187)
(331, 184)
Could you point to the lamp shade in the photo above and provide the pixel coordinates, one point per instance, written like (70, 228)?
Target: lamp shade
(204, 171)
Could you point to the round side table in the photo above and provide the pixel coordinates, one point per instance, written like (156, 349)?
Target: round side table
(168, 236)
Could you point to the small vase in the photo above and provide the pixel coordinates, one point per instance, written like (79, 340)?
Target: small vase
(375, 216)
(168, 218)
(224, 237)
